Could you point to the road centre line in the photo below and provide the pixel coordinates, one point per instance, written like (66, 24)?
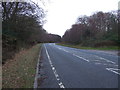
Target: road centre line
(74, 54)
(91, 54)
(54, 70)
(104, 59)
(80, 57)
(109, 69)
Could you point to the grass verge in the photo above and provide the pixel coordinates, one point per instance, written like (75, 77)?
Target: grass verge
(93, 48)
(20, 71)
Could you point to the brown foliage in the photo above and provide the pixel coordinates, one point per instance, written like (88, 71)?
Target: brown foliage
(97, 27)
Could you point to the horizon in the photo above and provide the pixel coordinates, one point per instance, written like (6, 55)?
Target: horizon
(61, 15)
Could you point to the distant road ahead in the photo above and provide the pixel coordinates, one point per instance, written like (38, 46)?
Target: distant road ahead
(64, 67)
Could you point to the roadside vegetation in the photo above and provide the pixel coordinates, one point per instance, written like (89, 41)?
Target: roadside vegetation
(98, 31)
(22, 28)
(91, 48)
(20, 71)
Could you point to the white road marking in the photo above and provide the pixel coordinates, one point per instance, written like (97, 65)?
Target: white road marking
(86, 59)
(54, 70)
(73, 54)
(105, 59)
(116, 65)
(113, 70)
(109, 69)
(65, 50)
(92, 55)
(81, 57)
(62, 49)
(110, 65)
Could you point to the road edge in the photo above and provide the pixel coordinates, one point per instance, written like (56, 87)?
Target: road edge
(37, 69)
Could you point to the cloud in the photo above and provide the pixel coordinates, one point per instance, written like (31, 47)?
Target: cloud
(63, 13)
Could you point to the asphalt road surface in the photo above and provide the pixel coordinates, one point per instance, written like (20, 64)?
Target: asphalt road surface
(65, 67)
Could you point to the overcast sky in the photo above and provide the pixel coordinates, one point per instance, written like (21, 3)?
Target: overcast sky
(63, 13)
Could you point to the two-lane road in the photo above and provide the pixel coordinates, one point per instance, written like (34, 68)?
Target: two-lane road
(64, 67)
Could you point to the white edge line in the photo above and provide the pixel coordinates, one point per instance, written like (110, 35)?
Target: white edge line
(54, 71)
(37, 69)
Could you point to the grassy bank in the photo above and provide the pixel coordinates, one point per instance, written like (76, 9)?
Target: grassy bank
(93, 48)
(20, 71)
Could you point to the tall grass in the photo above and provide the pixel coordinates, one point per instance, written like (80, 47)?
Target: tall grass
(20, 71)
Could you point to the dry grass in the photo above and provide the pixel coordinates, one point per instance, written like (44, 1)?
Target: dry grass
(20, 71)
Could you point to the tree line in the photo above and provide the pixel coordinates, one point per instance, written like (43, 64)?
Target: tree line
(22, 27)
(99, 29)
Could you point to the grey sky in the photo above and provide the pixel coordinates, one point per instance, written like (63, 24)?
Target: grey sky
(63, 13)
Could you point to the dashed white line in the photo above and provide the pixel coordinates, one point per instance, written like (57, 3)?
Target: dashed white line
(54, 70)
(104, 59)
(113, 70)
(109, 69)
(74, 54)
(81, 57)
(86, 59)
(62, 49)
(110, 65)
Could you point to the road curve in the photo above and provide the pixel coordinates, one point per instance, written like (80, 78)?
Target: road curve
(64, 67)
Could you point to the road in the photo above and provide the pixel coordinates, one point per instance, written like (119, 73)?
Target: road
(65, 67)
